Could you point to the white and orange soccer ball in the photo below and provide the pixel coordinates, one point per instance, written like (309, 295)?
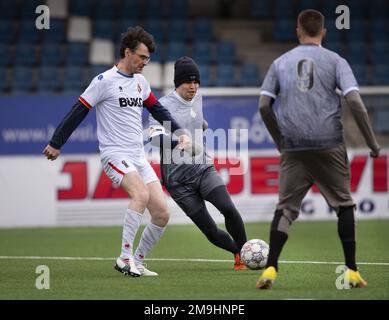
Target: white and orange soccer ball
(254, 254)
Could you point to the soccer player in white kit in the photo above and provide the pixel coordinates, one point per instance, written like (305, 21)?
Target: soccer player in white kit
(119, 95)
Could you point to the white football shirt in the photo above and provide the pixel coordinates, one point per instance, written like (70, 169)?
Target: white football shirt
(118, 99)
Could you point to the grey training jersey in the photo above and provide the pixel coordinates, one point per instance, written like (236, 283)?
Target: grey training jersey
(179, 167)
(303, 82)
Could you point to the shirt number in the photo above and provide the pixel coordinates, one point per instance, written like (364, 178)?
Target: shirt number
(305, 69)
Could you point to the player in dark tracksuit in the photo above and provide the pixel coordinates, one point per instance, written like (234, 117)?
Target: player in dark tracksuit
(307, 129)
(190, 177)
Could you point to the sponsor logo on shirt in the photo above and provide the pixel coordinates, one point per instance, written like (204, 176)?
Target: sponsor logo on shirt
(130, 102)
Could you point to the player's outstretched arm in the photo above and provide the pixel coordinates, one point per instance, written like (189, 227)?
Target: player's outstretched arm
(358, 110)
(269, 118)
(64, 130)
(163, 116)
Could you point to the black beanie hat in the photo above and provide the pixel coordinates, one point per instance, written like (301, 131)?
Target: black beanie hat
(185, 70)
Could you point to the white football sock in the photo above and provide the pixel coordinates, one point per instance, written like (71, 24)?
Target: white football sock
(132, 220)
(150, 236)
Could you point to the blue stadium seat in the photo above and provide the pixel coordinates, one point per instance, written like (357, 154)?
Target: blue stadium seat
(226, 52)
(178, 30)
(106, 10)
(179, 9)
(357, 52)
(79, 8)
(307, 4)
(104, 29)
(28, 33)
(74, 80)
(381, 120)
(249, 75)
(335, 46)
(6, 56)
(379, 52)
(4, 78)
(329, 7)
(27, 8)
(357, 31)
(8, 10)
(285, 30)
(260, 9)
(77, 53)
(379, 30)
(359, 9)
(21, 80)
(202, 29)
(202, 52)
(380, 74)
(205, 75)
(155, 27)
(130, 9)
(7, 31)
(157, 55)
(360, 73)
(377, 9)
(49, 80)
(225, 75)
(333, 34)
(97, 69)
(284, 10)
(25, 54)
(124, 24)
(154, 9)
(57, 32)
(51, 54)
(175, 50)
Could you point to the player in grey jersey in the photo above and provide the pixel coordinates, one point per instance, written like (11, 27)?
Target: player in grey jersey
(305, 124)
(191, 177)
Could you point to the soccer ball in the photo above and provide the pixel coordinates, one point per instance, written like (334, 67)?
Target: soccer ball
(254, 254)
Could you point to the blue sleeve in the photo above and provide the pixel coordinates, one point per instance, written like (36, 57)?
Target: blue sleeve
(162, 115)
(68, 124)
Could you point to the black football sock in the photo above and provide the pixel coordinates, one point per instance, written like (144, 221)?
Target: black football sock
(277, 241)
(346, 231)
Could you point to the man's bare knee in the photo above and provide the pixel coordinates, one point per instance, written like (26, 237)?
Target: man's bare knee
(160, 215)
(141, 197)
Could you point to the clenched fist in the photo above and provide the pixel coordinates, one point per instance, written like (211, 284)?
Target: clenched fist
(51, 153)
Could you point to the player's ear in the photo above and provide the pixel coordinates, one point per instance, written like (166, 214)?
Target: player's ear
(298, 32)
(127, 52)
(323, 33)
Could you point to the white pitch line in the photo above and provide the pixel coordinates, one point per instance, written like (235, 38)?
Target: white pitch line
(178, 260)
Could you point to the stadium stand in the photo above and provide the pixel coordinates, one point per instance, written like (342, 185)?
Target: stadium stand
(86, 34)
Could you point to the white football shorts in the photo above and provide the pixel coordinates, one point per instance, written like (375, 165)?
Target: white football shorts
(117, 165)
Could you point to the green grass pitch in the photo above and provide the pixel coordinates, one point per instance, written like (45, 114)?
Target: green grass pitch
(187, 278)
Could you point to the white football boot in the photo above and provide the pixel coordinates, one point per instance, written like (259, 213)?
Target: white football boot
(127, 267)
(144, 271)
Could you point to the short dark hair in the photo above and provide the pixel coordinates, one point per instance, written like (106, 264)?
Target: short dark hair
(133, 37)
(312, 21)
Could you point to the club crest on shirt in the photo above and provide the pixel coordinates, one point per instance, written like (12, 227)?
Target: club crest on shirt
(193, 113)
(139, 88)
